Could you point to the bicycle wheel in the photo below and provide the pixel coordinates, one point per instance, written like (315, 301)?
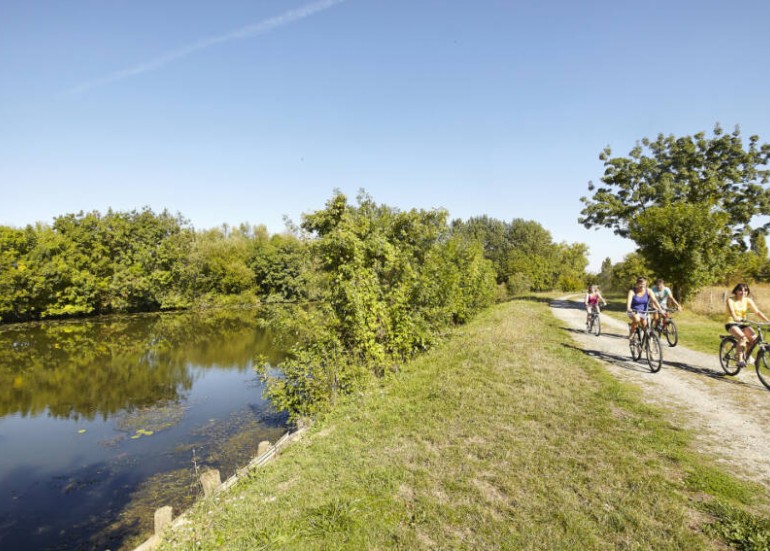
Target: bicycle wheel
(727, 354)
(635, 345)
(597, 325)
(671, 332)
(654, 352)
(763, 369)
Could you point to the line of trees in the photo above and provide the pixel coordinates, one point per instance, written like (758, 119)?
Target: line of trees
(141, 261)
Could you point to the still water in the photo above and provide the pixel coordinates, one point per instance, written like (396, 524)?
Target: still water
(103, 421)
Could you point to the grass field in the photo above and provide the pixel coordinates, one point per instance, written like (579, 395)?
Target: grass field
(504, 437)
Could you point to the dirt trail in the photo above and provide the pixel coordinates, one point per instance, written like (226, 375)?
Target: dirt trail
(729, 415)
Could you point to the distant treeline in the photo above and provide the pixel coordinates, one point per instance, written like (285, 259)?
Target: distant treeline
(141, 261)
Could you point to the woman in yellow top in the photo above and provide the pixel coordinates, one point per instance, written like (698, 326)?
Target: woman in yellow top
(738, 307)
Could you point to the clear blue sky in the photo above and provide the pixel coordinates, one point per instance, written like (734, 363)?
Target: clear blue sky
(246, 111)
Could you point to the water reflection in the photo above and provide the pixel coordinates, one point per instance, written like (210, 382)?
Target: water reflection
(103, 420)
(84, 369)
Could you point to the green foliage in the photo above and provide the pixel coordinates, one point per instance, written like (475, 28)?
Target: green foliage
(524, 254)
(282, 268)
(739, 528)
(604, 279)
(624, 273)
(716, 181)
(388, 282)
(685, 243)
(15, 275)
(91, 264)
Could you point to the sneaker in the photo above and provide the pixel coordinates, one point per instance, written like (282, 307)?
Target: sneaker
(740, 363)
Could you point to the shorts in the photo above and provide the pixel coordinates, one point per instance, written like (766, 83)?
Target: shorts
(740, 326)
(642, 315)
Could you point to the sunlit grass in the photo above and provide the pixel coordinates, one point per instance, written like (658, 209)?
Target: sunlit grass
(506, 437)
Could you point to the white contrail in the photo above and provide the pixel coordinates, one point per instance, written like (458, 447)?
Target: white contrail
(238, 34)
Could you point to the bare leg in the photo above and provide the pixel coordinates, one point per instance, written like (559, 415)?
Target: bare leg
(739, 335)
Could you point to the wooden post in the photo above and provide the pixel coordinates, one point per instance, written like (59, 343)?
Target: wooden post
(263, 447)
(210, 480)
(163, 518)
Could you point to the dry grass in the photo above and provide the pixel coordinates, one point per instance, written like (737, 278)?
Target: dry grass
(711, 300)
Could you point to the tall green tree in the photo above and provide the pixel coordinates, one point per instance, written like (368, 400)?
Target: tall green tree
(685, 244)
(605, 274)
(717, 176)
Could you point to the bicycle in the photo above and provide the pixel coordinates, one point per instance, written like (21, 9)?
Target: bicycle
(665, 326)
(645, 339)
(594, 323)
(728, 354)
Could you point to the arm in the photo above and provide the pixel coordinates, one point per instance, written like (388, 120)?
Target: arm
(604, 302)
(731, 310)
(671, 296)
(757, 310)
(628, 300)
(654, 299)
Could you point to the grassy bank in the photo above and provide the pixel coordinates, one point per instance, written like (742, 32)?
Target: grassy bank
(505, 437)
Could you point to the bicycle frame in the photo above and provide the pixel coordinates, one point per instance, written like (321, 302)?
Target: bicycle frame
(728, 354)
(647, 340)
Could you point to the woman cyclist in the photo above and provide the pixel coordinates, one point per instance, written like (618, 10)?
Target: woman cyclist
(637, 304)
(592, 300)
(738, 306)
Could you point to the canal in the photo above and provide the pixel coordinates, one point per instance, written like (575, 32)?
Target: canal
(104, 420)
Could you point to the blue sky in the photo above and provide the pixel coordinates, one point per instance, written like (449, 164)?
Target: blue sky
(249, 111)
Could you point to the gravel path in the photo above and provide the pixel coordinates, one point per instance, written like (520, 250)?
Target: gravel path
(730, 416)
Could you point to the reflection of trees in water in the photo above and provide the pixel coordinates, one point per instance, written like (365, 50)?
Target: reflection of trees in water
(84, 369)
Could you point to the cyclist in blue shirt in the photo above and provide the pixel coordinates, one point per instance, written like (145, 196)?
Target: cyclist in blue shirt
(637, 304)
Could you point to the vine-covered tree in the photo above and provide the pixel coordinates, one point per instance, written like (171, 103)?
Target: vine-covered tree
(652, 194)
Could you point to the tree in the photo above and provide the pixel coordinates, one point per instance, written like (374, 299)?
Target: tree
(759, 256)
(685, 244)
(718, 177)
(625, 272)
(605, 275)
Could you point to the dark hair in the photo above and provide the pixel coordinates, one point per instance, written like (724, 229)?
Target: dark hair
(659, 281)
(640, 279)
(742, 286)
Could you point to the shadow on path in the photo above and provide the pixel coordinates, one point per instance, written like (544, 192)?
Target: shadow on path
(641, 366)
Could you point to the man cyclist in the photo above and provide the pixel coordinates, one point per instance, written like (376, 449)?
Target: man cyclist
(662, 293)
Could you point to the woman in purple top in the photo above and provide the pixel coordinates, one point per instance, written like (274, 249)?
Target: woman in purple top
(637, 304)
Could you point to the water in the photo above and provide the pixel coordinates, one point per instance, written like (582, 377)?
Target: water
(103, 421)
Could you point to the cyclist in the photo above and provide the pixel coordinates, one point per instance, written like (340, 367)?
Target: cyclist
(738, 306)
(662, 293)
(593, 297)
(637, 304)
